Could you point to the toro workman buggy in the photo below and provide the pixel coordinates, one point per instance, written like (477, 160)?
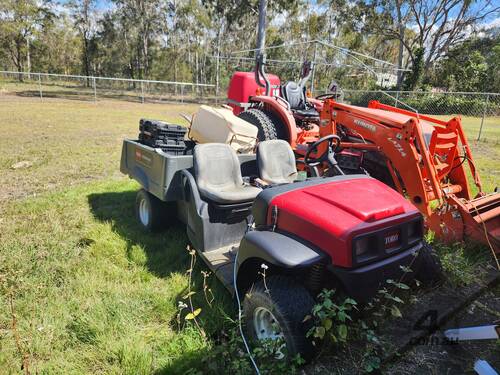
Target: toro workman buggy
(246, 212)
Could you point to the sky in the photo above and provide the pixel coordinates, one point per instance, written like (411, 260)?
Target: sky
(493, 20)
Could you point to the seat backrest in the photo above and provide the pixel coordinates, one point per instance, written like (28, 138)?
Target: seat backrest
(216, 166)
(276, 162)
(294, 95)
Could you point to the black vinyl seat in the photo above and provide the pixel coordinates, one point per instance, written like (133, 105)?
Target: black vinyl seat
(294, 95)
(218, 175)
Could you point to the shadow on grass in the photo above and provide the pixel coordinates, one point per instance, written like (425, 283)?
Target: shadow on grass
(165, 254)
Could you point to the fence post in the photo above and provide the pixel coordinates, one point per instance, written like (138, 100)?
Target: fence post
(484, 115)
(95, 89)
(397, 99)
(182, 93)
(40, 85)
(142, 92)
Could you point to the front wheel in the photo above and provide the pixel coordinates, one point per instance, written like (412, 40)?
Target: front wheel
(275, 310)
(428, 269)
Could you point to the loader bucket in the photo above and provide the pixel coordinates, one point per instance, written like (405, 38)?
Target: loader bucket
(482, 220)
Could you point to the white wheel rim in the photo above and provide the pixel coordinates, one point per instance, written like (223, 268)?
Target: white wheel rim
(144, 212)
(265, 324)
(267, 327)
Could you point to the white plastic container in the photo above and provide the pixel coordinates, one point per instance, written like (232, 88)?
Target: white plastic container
(220, 125)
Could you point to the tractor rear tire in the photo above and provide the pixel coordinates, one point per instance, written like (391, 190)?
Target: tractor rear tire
(265, 126)
(288, 303)
(281, 129)
(153, 214)
(428, 270)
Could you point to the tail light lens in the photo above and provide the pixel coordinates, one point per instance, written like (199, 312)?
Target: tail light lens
(415, 231)
(365, 248)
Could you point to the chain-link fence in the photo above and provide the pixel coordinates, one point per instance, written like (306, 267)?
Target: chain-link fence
(480, 112)
(44, 85)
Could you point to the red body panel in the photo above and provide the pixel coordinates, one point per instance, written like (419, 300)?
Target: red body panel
(243, 86)
(330, 215)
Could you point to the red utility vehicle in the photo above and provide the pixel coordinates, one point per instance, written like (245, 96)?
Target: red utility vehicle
(248, 211)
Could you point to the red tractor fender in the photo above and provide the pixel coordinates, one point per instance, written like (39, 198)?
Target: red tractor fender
(280, 108)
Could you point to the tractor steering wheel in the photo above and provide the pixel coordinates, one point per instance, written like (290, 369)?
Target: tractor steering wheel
(328, 156)
(330, 95)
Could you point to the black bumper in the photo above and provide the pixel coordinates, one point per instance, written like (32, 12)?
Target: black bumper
(363, 283)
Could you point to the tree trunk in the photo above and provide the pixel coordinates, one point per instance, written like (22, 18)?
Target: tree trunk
(86, 62)
(28, 57)
(401, 29)
(19, 62)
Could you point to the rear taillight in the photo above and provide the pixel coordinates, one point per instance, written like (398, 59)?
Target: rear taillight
(365, 248)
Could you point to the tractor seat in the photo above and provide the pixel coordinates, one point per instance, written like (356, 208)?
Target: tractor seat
(306, 113)
(294, 95)
(276, 162)
(218, 175)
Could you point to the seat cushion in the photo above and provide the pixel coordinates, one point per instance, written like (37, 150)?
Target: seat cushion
(294, 95)
(310, 112)
(218, 174)
(231, 194)
(276, 162)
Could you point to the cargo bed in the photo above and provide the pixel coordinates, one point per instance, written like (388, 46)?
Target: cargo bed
(160, 173)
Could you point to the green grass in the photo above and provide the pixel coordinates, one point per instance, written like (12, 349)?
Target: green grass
(92, 293)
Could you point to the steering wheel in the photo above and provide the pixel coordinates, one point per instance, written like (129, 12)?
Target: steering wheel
(329, 95)
(333, 145)
(328, 156)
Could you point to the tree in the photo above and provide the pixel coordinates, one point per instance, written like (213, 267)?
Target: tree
(22, 20)
(83, 13)
(434, 26)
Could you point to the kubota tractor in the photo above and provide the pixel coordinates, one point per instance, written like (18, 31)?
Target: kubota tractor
(421, 157)
(278, 111)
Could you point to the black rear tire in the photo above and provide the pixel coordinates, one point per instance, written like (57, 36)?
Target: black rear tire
(281, 129)
(153, 214)
(289, 302)
(428, 269)
(266, 127)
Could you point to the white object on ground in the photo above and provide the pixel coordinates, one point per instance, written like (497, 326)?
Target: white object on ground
(473, 333)
(483, 368)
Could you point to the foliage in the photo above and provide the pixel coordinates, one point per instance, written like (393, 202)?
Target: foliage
(413, 79)
(332, 318)
(178, 41)
(471, 66)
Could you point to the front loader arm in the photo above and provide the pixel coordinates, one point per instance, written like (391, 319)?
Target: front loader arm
(400, 145)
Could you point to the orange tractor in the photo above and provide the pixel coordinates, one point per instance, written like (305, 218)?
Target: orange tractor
(421, 157)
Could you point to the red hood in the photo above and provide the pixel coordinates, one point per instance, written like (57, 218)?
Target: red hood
(330, 214)
(366, 201)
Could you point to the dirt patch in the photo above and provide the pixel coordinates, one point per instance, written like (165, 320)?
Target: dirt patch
(437, 356)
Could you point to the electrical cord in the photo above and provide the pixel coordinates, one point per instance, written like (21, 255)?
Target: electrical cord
(257, 371)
